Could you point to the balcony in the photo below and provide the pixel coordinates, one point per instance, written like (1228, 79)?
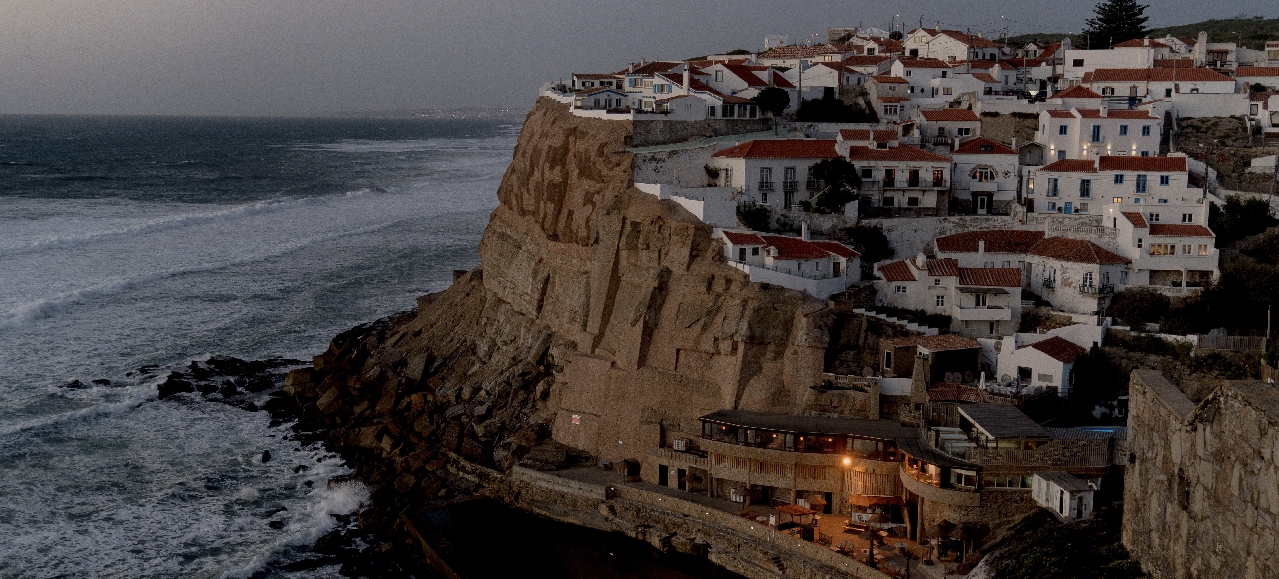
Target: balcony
(1050, 283)
(983, 314)
(790, 185)
(765, 185)
(1097, 290)
(940, 141)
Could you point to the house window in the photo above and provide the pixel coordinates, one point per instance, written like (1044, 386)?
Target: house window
(1030, 186)
(889, 201)
(1203, 249)
(1117, 200)
(1062, 130)
(765, 178)
(940, 301)
(1052, 205)
(1154, 217)
(1107, 90)
(1061, 154)
(1085, 188)
(1167, 93)
(1187, 217)
(1119, 179)
(719, 76)
(754, 251)
(912, 202)
(710, 111)
(937, 281)
(1185, 249)
(1088, 279)
(867, 173)
(1138, 243)
(1145, 153)
(1083, 208)
(1145, 130)
(1163, 249)
(908, 74)
(1123, 130)
(1141, 183)
(890, 109)
(1252, 109)
(888, 359)
(1077, 62)
(900, 289)
(728, 177)
(1052, 186)
(1096, 133)
(946, 90)
(963, 131)
(983, 175)
(914, 52)
(1165, 180)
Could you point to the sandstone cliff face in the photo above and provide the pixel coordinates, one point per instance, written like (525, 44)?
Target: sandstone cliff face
(602, 317)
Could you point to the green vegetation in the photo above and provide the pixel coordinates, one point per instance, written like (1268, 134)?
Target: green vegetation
(738, 52)
(1140, 306)
(772, 100)
(1253, 32)
(1117, 21)
(754, 216)
(1239, 219)
(839, 184)
(1086, 550)
(868, 241)
(832, 110)
(1257, 87)
(1097, 378)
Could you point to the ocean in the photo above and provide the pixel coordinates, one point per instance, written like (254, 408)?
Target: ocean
(132, 242)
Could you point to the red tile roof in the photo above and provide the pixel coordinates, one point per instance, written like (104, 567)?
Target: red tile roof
(984, 77)
(798, 51)
(1078, 91)
(1076, 251)
(923, 63)
(881, 135)
(781, 81)
(1257, 71)
(997, 241)
(1154, 75)
(978, 64)
(591, 76)
(1140, 43)
(944, 115)
(859, 60)
(1136, 219)
(1175, 63)
(943, 267)
(746, 74)
(990, 276)
(938, 343)
(1179, 230)
(898, 153)
(888, 78)
(893, 99)
(1059, 348)
(1116, 114)
(1056, 114)
(1071, 166)
(782, 149)
(983, 146)
(743, 238)
(896, 271)
(794, 248)
(970, 40)
(1153, 164)
(839, 249)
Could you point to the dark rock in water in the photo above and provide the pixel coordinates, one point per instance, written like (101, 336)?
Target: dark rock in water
(259, 384)
(300, 468)
(329, 544)
(266, 456)
(198, 372)
(147, 370)
(228, 389)
(276, 524)
(75, 384)
(102, 382)
(175, 384)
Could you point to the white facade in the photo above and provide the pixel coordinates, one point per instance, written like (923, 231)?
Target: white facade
(1092, 133)
(1048, 363)
(820, 269)
(981, 302)
(774, 173)
(1069, 498)
(985, 174)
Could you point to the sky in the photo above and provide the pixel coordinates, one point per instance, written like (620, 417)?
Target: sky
(315, 57)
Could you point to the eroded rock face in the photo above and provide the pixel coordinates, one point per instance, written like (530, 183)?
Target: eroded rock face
(601, 317)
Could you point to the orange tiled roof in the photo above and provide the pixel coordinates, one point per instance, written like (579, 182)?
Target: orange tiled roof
(1071, 166)
(938, 343)
(970, 40)
(1154, 75)
(794, 247)
(898, 153)
(743, 238)
(887, 78)
(1116, 114)
(798, 51)
(1153, 164)
(1140, 43)
(1257, 71)
(984, 77)
(1175, 63)
(923, 63)
(1059, 348)
(943, 115)
(997, 241)
(1078, 91)
(881, 135)
(983, 146)
(1179, 230)
(1077, 251)
(1135, 218)
(947, 267)
(746, 74)
(896, 271)
(990, 276)
(1056, 114)
(782, 149)
(836, 248)
(860, 60)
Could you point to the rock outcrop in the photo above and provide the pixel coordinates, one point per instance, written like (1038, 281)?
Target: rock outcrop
(601, 318)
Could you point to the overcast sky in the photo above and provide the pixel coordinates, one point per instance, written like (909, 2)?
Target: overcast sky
(298, 57)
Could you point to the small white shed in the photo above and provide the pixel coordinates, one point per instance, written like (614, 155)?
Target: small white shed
(1065, 495)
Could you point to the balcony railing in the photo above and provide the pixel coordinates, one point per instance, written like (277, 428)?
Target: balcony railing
(790, 185)
(765, 185)
(1050, 283)
(940, 141)
(1103, 289)
(916, 184)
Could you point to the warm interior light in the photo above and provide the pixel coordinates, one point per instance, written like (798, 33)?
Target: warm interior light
(847, 461)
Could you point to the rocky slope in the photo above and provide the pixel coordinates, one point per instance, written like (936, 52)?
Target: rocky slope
(600, 320)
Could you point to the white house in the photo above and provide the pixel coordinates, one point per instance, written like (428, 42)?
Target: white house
(1075, 275)
(600, 99)
(919, 73)
(586, 81)
(1075, 97)
(985, 175)
(981, 302)
(902, 179)
(1092, 133)
(1048, 363)
(941, 126)
(1157, 187)
(1155, 83)
(890, 95)
(988, 247)
(1267, 76)
(820, 268)
(950, 45)
(1180, 255)
(1068, 497)
(774, 172)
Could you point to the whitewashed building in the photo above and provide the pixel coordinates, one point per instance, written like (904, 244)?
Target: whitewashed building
(1049, 363)
(950, 45)
(1068, 497)
(819, 268)
(1092, 133)
(981, 302)
(985, 175)
(774, 172)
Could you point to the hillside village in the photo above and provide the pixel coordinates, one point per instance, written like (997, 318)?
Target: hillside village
(1020, 189)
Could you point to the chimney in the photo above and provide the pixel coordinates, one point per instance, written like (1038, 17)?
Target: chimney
(1014, 143)
(1105, 110)
(1146, 41)
(687, 75)
(630, 68)
(981, 250)
(803, 230)
(920, 261)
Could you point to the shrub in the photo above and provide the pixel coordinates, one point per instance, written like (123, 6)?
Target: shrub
(754, 216)
(1141, 306)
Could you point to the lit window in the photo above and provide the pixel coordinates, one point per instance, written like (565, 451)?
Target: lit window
(1117, 200)
(1203, 250)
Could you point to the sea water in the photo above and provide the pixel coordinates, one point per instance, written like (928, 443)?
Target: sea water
(130, 242)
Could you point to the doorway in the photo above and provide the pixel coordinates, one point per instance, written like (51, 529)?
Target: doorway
(983, 204)
(682, 482)
(663, 477)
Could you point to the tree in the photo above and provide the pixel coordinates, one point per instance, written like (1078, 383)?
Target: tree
(1117, 21)
(1257, 87)
(839, 184)
(895, 35)
(737, 51)
(1138, 306)
(869, 240)
(772, 100)
(1240, 218)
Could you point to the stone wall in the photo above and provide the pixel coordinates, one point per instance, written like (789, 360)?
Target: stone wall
(647, 133)
(682, 167)
(1202, 491)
